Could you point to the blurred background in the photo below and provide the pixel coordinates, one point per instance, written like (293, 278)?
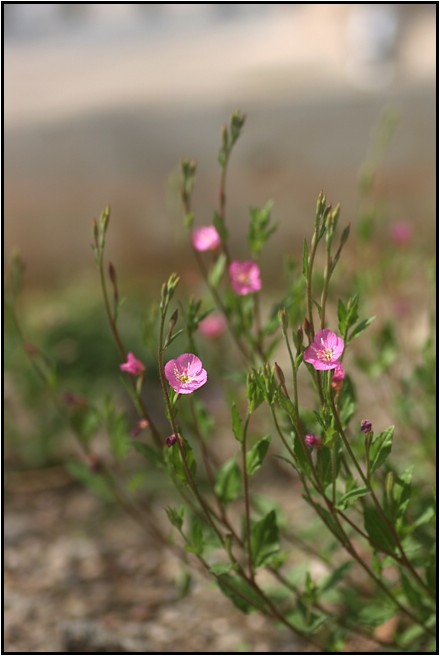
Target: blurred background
(103, 100)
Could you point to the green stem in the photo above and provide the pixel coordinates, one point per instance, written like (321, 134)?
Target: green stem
(246, 499)
(376, 502)
(113, 327)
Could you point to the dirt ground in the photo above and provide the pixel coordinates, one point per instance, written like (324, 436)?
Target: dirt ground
(81, 578)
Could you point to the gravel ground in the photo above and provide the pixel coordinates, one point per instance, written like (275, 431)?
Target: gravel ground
(83, 579)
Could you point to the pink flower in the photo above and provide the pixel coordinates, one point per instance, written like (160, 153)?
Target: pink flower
(338, 376)
(245, 277)
(205, 238)
(313, 440)
(401, 233)
(213, 326)
(133, 366)
(325, 350)
(185, 374)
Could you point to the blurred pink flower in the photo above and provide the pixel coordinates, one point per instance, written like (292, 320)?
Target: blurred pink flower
(205, 238)
(185, 374)
(213, 326)
(325, 350)
(245, 277)
(133, 366)
(401, 233)
(313, 440)
(338, 376)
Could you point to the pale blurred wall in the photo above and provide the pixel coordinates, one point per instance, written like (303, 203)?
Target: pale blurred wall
(102, 101)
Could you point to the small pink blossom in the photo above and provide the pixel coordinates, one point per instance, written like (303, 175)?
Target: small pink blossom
(338, 376)
(133, 366)
(171, 440)
(213, 326)
(185, 374)
(325, 350)
(245, 277)
(313, 441)
(205, 238)
(401, 233)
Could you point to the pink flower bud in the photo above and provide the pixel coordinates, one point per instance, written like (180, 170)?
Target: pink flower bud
(338, 377)
(171, 440)
(141, 425)
(313, 441)
(133, 366)
(366, 426)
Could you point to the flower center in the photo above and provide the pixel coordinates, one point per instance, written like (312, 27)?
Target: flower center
(326, 354)
(243, 278)
(183, 376)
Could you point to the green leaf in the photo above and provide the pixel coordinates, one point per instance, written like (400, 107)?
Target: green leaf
(425, 517)
(431, 570)
(205, 420)
(376, 614)
(401, 492)
(93, 480)
(264, 539)
(306, 621)
(254, 389)
(324, 465)
(351, 497)
(305, 267)
(241, 593)
(174, 458)
(342, 316)
(259, 228)
(413, 594)
(347, 314)
(217, 271)
(221, 228)
(220, 568)
(196, 542)
(237, 423)
(337, 575)
(149, 453)
(116, 425)
(301, 459)
(188, 220)
(256, 455)
(228, 483)
(176, 516)
(360, 327)
(380, 448)
(378, 530)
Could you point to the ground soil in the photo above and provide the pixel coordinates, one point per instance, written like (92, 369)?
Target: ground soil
(82, 578)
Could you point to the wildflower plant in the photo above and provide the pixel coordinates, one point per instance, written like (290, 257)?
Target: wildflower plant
(359, 557)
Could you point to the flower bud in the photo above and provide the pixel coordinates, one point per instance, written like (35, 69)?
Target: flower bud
(141, 425)
(171, 440)
(313, 441)
(366, 426)
(282, 318)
